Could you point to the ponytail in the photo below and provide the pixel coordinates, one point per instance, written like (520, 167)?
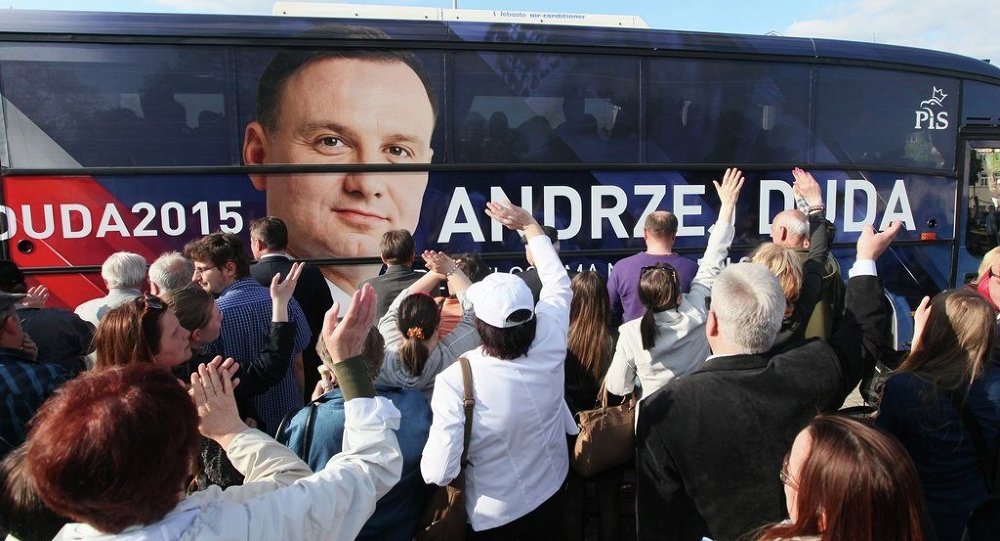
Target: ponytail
(417, 320)
(647, 329)
(659, 290)
(414, 354)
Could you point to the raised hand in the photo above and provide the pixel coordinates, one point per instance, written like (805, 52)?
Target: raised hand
(281, 292)
(212, 391)
(36, 297)
(871, 245)
(438, 262)
(346, 339)
(806, 186)
(920, 316)
(512, 217)
(729, 189)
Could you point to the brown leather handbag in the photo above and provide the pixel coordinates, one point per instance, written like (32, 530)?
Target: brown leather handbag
(607, 436)
(444, 517)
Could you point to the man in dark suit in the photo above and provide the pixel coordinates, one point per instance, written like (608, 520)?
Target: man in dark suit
(710, 445)
(397, 254)
(530, 276)
(268, 240)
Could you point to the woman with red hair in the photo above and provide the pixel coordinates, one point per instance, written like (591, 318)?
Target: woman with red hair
(112, 450)
(143, 330)
(847, 481)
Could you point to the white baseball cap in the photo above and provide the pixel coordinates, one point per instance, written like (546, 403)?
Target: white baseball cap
(498, 296)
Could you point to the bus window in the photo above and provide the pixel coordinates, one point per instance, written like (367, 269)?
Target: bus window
(116, 105)
(980, 103)
(880, 117)
(726, 111)
(539, 107)
(983, 224)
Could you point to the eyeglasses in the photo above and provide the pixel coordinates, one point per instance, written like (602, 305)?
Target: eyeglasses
(201, 270)
(786, 478)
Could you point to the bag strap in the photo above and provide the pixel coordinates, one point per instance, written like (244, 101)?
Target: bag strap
(978, 441)
(307, 430)
(468, 402)
(603, 396)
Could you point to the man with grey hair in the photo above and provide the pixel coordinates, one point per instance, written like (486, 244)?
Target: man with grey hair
(790, 229)
(170, 271)
(710, 444)
(123, 274)
(660, 232)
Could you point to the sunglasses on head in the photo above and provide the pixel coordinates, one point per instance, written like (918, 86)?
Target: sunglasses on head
(670, 270)
(150, 303)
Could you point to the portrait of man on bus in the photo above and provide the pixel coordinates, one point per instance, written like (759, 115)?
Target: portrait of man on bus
(342, 106)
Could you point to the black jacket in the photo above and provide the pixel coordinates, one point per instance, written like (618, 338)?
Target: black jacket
(388, 286)
(710, 444)
(313, 295)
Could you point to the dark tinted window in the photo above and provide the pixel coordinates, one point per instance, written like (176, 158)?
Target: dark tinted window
(117, 105)
(725, 111)
(539, 107)
(980, 103)
(879, 117)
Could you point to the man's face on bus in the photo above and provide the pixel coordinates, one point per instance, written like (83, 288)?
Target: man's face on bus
(345, 111)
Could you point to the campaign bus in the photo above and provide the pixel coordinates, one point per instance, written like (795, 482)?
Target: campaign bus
(141, 132)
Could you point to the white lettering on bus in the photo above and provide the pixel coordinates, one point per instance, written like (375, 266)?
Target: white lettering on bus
(681, 210)
(859, 196)
(656, 191)
(49, 224)
(106, 226)
(612, 214)
(76, 221)
(85, 222)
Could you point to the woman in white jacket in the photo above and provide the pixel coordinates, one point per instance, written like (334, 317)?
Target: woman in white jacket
(517, 458)
(112, 451)
(669, 340)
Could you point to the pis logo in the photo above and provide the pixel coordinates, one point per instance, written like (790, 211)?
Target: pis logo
(927, 117)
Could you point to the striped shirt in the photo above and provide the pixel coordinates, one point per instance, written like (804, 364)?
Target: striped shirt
(246, 322)
(24, 385)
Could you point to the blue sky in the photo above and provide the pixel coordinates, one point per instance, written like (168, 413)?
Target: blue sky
(960, 26)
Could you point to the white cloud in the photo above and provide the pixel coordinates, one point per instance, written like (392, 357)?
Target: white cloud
(965, 27)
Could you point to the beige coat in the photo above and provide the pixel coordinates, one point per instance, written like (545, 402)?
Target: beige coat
(282, 498)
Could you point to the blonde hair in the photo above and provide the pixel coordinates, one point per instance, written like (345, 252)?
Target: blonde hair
(955, 346)
(784, 264)
(990, 258)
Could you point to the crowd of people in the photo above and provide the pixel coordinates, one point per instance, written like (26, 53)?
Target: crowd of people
(237, 400)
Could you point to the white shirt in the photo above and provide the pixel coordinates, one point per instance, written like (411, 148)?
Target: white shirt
(681, 345)
(517, 455)
(339, 295)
